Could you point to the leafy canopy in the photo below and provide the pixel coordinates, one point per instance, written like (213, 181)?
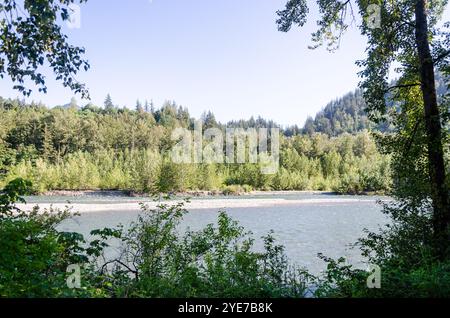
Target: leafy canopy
(31, 38)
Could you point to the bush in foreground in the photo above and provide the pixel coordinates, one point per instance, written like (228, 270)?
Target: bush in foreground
(217, 261)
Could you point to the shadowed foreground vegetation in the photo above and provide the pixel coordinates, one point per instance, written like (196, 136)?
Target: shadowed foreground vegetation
(217, 261)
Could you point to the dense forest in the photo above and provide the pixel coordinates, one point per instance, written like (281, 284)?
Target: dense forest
(348, 114)
(77, 148)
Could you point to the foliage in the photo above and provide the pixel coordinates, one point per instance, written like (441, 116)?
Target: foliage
(34, 255)
(213, 262)
(155, 260)
(412, 250)
(65, 148)
(31, 37)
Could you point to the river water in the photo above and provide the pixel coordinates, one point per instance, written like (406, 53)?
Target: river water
(305, 223)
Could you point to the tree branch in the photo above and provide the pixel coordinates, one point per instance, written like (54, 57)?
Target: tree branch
(402, 86)
(135, 272)
(441, 56)
(411, 138)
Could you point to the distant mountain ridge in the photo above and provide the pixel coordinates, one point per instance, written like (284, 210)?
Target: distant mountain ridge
(347, 114)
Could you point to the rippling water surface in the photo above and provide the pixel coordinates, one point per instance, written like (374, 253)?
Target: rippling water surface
(306, 224)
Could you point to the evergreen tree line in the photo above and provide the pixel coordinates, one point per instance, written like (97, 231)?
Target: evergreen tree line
(73, 148)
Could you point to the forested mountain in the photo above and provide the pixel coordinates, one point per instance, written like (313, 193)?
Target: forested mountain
(347, 114)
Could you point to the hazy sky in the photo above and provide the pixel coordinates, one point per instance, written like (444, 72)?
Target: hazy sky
(220, 55)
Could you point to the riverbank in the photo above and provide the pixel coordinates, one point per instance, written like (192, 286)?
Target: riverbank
(198, 204)
(214, 193)
(97, 201)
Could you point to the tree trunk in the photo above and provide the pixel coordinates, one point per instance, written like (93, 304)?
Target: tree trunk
(439, 191)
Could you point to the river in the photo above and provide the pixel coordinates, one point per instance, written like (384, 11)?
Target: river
(305, 223)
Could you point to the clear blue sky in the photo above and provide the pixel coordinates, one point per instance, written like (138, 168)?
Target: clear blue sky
(220, 55)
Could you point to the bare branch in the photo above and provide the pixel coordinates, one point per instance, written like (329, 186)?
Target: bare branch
(135, 272)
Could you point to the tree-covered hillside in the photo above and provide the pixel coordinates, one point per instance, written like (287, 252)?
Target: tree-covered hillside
(347, 114)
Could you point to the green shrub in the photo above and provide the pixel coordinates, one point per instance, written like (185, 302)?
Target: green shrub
(34, 256)
(217, 261)
(237, 189)
(213, 262)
